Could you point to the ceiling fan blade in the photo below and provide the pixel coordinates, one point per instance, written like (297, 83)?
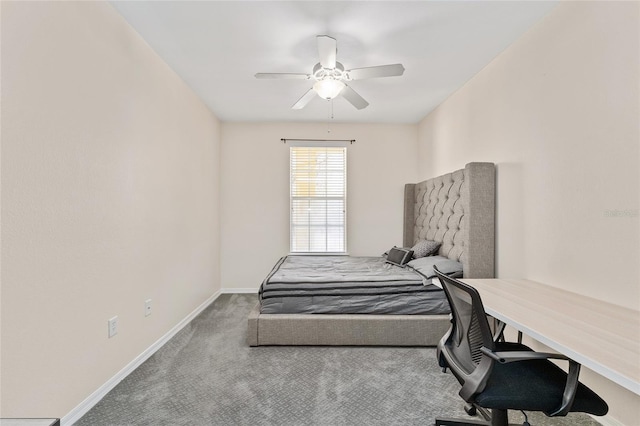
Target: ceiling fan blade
(327, 50)
(354, 99)
(374, 72)
(304, 100)
(288, 75)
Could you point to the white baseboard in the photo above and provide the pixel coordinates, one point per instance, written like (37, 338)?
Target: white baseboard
(606, 420)
(239, 290)
(82, 408)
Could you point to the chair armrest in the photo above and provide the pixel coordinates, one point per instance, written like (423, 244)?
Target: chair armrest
(571, 385)
(512, 356)
(570, 390)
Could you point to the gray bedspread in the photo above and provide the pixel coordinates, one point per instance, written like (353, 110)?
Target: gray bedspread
(348, 285)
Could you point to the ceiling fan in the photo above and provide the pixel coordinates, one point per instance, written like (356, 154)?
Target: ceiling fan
(331, 77)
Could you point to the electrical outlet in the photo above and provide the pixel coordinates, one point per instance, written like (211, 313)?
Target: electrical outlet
(113, 326)
(147, 307)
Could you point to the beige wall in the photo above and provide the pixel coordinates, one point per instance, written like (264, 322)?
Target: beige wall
(558, 112)
(110, 184)
(255, 191)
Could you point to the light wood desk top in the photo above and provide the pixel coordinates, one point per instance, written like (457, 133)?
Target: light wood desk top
(601, 336)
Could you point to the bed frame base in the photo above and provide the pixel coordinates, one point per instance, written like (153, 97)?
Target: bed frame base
(345, 330)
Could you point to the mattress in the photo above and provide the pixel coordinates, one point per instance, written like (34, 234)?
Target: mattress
(348, 285)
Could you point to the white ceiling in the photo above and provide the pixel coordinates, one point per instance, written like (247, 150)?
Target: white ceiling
(218, 46)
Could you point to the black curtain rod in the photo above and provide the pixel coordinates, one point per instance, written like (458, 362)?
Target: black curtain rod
(351, 141)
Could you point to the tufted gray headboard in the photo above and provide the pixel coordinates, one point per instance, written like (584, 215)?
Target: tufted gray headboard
(457, 210)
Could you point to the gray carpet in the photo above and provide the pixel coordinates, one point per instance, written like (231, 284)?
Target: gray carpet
(207, 375)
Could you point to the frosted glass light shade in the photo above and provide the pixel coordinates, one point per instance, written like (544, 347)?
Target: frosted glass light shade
(328, 88)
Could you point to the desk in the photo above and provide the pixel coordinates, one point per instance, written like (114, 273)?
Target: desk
(601, 336)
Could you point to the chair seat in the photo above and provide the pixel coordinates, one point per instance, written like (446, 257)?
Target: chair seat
(534, 385)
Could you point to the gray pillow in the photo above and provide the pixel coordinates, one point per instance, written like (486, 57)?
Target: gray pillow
(399, 256)
(424, 266)
(424, 248)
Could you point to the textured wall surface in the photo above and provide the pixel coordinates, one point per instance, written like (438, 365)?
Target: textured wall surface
(558, 114)
(109, 197)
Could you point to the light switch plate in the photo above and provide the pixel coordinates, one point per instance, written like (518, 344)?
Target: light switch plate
(113, 326)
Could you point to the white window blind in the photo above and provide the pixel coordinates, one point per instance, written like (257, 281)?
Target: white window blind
(318, 180)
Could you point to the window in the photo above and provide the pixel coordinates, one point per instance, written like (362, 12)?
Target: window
(318, 180)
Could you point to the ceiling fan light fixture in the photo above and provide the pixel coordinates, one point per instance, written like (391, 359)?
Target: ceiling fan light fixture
(328, 88)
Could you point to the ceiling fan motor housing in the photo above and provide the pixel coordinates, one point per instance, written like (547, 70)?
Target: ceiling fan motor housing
(337, 73)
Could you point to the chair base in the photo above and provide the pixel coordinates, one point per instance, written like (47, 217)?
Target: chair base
(460, 422)
(498, 418)
(472, 409)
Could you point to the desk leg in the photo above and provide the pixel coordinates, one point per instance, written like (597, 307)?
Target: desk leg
(498, 330)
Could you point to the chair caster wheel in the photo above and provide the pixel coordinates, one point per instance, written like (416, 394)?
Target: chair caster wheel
(470, 409)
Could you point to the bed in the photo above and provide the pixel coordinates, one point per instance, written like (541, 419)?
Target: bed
(353, 285)
(456, 209)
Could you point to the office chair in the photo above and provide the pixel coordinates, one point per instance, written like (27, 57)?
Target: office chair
(502, 376)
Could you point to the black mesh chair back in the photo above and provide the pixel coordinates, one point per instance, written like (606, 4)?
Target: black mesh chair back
(461, 347)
